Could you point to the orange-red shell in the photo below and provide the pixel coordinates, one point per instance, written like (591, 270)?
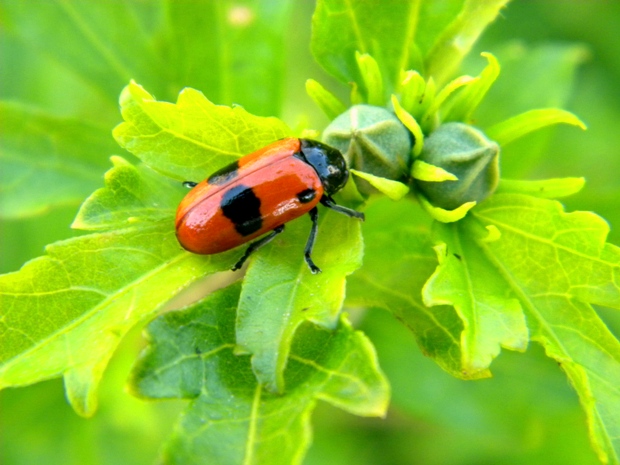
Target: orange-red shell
(274, 176)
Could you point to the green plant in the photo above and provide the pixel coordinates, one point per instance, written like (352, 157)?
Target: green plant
(497, 264)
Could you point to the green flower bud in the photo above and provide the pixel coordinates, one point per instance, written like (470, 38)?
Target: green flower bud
(465, 152)
(373, 140)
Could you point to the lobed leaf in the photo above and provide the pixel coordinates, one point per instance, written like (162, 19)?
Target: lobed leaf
(192, 138)
(280, 293)
(232, 418)
(132, 194)
(557, 264)
(65, 313)
(398, 259)
(492, 316)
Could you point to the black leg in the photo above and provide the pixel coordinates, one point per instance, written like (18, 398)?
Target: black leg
(314, 216)
(330, 203)
(257, 245)
(189, 184)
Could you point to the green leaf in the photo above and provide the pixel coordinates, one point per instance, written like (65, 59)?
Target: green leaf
(47, 161)
(384, 30)
(466, 103)
(132, 194)
(192, 138)
(546, 188)
(371, 77)
(410, 123)
(526, 387)
(557, 264)
(457, 39)
(280, 293)
(400, 35)
(398, 259)
(395, 190)
(532, 77)
(325, 100)
(234, 51)
(492, 316)
(412, 90)
(441, 97)
(233, 419)
(507, 131)
(169, 45)
(444, 215)
(123, 41)
(427, 172)
(65, 313)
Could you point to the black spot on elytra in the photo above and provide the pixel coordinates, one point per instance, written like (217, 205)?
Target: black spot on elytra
(241, 206)
(225, 174)
(306, 196)
(457, 256)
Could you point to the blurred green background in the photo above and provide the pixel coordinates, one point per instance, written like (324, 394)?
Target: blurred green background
(526, 414)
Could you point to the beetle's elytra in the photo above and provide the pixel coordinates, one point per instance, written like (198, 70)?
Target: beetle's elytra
(258, 194)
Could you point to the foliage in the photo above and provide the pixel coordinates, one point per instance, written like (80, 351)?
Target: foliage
(250, 360)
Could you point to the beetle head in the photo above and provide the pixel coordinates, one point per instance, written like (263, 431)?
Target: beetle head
(328, 162)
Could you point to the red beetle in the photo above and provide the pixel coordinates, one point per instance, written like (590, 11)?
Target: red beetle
(259, 193)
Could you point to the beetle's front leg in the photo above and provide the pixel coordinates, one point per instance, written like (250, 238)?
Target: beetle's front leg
(330, 203)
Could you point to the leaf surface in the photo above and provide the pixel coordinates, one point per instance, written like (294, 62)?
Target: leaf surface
(456, 40)
(47, 161)
(193, 138)
(233, 419)
(432, 37)
(280, 293)
(234, 51)
(398, 259)
(558, 264)
(491, 315)
(65, 313)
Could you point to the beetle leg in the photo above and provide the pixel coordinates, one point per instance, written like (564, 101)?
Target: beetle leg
(330, 203)
(314, 216)
(189, 184)
(257, 245)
